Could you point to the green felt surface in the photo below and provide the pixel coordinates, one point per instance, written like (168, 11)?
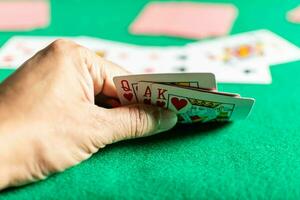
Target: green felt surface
(258, 158)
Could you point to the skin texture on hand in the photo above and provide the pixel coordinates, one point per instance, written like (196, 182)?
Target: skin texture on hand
(49, 119)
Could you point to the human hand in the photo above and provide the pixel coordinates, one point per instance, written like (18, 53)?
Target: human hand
(49, 120)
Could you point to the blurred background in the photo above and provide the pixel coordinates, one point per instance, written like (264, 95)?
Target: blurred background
(110, 19)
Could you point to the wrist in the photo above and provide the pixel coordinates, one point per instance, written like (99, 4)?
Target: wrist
(5, 154)
(5, 129)
(16, 152)
(22, 154)
(12, 150)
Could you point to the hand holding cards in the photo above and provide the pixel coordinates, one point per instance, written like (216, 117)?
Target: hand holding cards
(193, 96)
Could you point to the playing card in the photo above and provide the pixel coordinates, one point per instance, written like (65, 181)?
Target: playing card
(242, 58)
(134, 58)
(259, 46)
(160, 60)
(137, 59)
(247, 72)
(127, 86)
(24, 15)
(185, 19)
(196, 106)
(253, 72)
(146, 59)
(294, 15)
(18, 49)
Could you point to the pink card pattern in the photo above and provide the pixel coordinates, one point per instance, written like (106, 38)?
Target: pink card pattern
(23, 15)
(189, 20)
(294, 15)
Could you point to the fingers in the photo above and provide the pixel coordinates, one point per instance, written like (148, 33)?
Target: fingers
(134, 121)
(106, 102)
(86, 61)
(102, 72)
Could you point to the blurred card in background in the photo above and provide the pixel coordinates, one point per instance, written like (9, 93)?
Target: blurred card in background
(185, 19)
(18, 49)
(19, 15)
(246, 73)
(260, 46)
(294, 15)
(137, 59)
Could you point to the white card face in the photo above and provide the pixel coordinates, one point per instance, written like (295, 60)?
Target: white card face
(127, 86)
(244, 58)
(247, 72)
(160, 60)
(136, 59)
(18, 49)
(196, 106)
(125, 55)
(96, 44)
(259, 46)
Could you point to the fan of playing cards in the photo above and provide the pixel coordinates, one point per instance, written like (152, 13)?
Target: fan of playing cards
(193, 96)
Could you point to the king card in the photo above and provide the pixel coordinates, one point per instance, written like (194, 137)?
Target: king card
(196, 106)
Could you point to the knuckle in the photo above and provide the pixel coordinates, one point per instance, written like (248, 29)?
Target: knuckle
(65, 50)
(60, 44)
(64, 47)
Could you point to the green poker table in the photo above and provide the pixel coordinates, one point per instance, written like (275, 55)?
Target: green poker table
(256, 158)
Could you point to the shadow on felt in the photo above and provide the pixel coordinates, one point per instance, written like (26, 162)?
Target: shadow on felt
(178, 133)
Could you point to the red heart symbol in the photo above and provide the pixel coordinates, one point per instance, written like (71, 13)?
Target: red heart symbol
(160, 103)
(128, 96)
(179, 104)
(147, 101)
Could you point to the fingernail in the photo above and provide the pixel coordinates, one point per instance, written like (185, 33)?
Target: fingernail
(168, 120)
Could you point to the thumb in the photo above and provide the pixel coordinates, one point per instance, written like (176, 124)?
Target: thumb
(135, 121)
